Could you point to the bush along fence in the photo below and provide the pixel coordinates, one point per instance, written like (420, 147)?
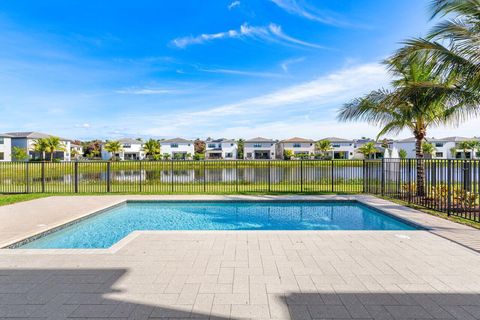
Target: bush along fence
(450, 186)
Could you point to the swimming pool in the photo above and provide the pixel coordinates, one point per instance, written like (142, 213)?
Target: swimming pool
(105, 229)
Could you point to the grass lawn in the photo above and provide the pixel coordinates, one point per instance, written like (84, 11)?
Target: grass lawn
(14, 198)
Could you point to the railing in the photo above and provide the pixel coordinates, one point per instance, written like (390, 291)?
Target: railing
(450, 186)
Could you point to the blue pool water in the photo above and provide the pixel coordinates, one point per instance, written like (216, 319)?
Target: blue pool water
(105, 229)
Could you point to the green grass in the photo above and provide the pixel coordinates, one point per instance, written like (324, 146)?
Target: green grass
(14, 198)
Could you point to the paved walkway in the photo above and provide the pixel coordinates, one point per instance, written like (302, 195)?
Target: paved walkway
(242, 274)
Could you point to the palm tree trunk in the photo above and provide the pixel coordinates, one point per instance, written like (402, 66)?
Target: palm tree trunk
(420, 136)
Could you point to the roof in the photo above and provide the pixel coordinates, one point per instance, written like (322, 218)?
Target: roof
(335, 139)
(33, 135)
(72, 145)
(4, 135)
(222, 140)
(176, 140)
(446, 139)
(130, 141)
(297, 139)
(259, 139)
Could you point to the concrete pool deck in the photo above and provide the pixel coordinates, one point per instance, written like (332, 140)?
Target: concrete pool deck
(239, 274)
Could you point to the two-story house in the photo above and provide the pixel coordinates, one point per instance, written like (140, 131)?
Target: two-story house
(26, 141)
(259, 149)
(341, 148)
(445, 148)
(177, 148)
(298, 146)
(132, 149)
(5, 147)
(221, 149)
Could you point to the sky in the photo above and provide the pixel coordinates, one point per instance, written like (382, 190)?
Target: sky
(87, 69)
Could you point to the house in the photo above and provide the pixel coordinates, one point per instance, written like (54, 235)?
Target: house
(132, 149)
(341, 148)
(221, 149)
(298, 146)
(76, 150)
(26, 140)
(445, 148)
(177, 148)
(259, 149)
(5, 147)
(379, 145)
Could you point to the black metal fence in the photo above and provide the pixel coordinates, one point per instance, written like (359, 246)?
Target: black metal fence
(450, 186)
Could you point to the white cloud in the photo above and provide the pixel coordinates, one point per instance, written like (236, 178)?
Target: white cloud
(83, 126)
(233, 5)
(243, 72)
(286, 64)
(294, 7)
(146, 91)
(270, 33)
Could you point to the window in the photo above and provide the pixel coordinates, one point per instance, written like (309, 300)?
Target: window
(174, 145)
(257, 145)
(228, 155)
(231, 144)
(2, 140)
(249, 155)
(2, 156)
(438, 144)
(439, 155)
(127, 145)
(335, 145)
(211, 145)
(297, 145)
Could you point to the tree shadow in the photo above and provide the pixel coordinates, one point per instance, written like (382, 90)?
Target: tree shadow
(105, 293)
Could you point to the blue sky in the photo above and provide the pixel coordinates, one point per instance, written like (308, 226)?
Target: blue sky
(237, 68)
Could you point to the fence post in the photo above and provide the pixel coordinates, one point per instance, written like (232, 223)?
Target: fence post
(301, 175)
(409, 180)
(364, 171)
(140, 181)
(383, 178)
(204, 177)
(108, 176)
(332, 173)
(27, 178)
(449, 186)
(236, 175)
(43, 177)
(171, 169)
(269, 178)
(76, 176)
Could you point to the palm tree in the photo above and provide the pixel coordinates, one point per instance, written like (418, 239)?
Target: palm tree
(113, 147)
(465, 146)
(151, 148)
(419, 99)
(402, 154)
(368, 149)
(454, 43)
(324, 146)
(429, 149)
(40, 145)
(54, 144)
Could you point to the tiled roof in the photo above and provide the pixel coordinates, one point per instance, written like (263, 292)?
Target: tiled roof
(130, 141)
(297, 139)
(335, 139)
(33, 135)
(176, 140)
(259, 139)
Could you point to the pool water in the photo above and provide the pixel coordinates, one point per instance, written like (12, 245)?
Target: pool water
(107, 228)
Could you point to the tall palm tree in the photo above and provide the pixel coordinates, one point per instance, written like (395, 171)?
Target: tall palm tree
(429, 149)
(419, 99)
(54, 144)
(40, 145)
(368, 149)
(453, 43)
(113, 147)
(324, 146)
(152, 149)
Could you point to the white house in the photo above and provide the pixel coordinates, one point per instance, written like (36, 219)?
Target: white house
(177, 148)
(378, 145)
(296, 145)
(221, 149)
(341, 148)
(76, 150)
(5, 147)
(132, 149)
(259, 148)
(445, 148)
(26, 140)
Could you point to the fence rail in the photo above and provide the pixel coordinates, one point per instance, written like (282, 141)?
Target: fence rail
(450, 186)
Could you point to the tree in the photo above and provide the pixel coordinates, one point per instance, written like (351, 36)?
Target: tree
(54, 144)
(466, 146)
(19, 154)
(92, 148)
(166, 156)
(113, 147)
(402, 154)
(368, 149)
(152, 148)
(287, 154)
(453, 152)
(419, 99)
(241, 145)
(429, 149)
(199, 146)
(324, 146)
(40, 145)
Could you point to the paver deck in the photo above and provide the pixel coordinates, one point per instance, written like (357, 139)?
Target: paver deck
(242, 274)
